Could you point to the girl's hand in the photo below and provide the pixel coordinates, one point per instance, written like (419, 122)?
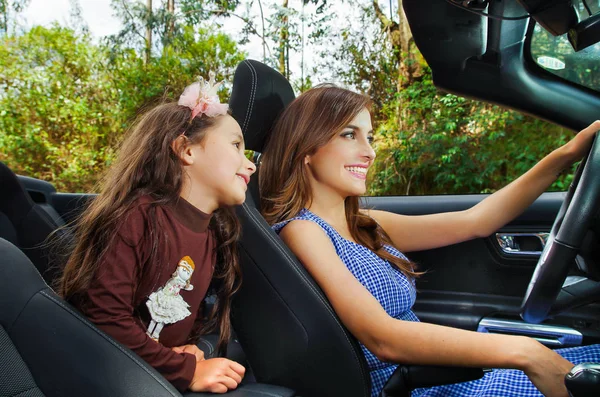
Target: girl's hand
(547, 371)
(217, 375)
(580, 144)
(190, 349)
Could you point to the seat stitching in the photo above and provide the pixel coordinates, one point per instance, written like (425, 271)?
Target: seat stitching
(312, 288)
(210, 346)
(25, 391)
(281, 250)
(79, 317)
(9, 327)
(252, 94)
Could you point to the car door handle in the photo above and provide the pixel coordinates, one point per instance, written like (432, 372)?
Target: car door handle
(528, 244)
(549, 335)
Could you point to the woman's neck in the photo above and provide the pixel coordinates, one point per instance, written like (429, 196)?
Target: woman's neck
(332, 211)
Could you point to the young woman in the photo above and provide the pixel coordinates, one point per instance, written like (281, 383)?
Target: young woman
(313, 170)
(161, 233)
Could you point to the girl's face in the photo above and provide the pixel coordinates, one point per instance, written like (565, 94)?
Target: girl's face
(340, 167)
(218, 169)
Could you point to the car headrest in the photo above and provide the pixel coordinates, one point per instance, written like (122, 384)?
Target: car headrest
(258, 96)
(14, 200)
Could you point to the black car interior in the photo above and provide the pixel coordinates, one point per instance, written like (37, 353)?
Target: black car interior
(26, 223)
(493, 61)
(291, 337)
(49, 349)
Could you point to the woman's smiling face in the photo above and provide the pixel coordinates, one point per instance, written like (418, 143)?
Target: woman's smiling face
(341, 166)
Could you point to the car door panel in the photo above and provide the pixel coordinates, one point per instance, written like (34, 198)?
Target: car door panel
(478, 266)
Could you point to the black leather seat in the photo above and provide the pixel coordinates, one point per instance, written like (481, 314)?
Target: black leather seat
(288, 330)
(48, 349)
(27, 224)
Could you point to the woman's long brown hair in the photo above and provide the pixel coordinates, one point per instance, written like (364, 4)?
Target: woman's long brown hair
(307, 124)
(147, 166)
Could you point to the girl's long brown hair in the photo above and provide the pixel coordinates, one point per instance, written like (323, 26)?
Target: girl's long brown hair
(147, 166)
(307, 124)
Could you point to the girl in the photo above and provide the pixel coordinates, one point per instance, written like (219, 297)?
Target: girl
(161, 232)
(313, 170)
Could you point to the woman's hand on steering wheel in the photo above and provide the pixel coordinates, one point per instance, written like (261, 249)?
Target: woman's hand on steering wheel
(580, 145)
(570, 227)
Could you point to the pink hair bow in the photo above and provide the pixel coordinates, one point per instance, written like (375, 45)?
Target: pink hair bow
(202, 98)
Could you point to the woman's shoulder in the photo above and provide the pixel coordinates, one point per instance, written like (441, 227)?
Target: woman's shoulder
(303, 233)
(303, 215)
(308, 226)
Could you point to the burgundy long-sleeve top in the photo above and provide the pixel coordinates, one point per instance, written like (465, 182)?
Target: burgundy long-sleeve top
(116, 299)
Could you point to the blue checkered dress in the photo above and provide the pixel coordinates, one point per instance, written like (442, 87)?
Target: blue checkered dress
(397, 294)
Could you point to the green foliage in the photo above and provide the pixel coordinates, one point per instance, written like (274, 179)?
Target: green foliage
(452, 145)
(57, 120)
(191, 54)
(66, 102)
(166, 26)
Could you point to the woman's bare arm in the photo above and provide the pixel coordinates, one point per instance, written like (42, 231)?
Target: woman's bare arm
(415, 233)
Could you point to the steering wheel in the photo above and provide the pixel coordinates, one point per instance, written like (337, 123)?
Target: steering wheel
(574, 218)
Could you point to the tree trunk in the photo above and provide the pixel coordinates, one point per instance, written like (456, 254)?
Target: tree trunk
(283, 44)
(4, 12)
(171, 23)
(262, 21)
(401, 40)
(148, 32)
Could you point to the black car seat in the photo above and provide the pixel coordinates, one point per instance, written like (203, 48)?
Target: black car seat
(27, 224)
(48, 349)
(290, 333)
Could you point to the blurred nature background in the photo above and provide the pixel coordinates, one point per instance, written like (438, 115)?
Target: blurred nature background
(67, 97)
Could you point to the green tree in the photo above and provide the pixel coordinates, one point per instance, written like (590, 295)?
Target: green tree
(192, 53)
(57, 107)
(453, 145)
(151, 27)
(287, 28)
(66, 102)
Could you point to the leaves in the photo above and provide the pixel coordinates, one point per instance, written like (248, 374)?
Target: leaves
(66, 102)
(452, 145)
